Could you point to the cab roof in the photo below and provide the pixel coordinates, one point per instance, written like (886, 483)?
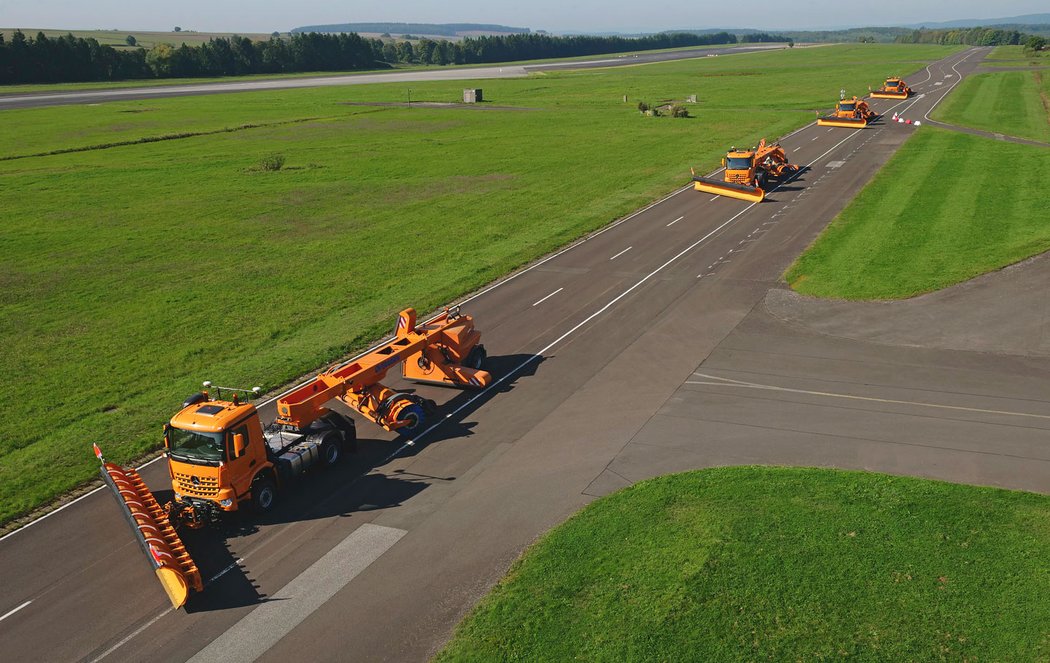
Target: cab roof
(211, 416)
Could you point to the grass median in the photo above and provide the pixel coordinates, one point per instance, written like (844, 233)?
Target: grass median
(746, 564)
(1015, 103)
(161, 252)
(946, 208)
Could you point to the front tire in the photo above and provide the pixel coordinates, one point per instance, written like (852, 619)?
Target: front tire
(264, 495)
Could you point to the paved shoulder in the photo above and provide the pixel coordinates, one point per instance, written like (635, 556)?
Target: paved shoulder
(1003, 312)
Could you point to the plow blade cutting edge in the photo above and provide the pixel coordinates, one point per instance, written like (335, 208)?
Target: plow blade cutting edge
(722, 188)
(164, 550)
(889, 95)
(847, 123)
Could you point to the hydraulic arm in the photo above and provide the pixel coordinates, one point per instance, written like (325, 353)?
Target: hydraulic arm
(220, 456)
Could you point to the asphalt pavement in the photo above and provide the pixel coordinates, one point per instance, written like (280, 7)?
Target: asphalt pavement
(645, 348)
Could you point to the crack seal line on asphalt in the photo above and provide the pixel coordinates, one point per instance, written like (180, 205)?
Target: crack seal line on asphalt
(728, 382)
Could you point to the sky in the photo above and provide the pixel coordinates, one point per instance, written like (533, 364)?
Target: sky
(265, 16)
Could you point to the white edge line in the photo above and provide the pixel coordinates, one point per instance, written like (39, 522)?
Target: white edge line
(548, 296)
(11, 612)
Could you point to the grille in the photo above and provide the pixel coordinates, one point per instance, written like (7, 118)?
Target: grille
(206, 488)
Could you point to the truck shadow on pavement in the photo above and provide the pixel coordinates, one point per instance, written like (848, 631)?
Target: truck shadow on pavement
(465, 403)
(355, 486)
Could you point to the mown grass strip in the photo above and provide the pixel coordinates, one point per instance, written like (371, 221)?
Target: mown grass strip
(781, 564)
(947, 207)
(1008, 102)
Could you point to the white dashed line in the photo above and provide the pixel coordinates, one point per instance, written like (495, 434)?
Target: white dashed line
(11, 612)
(675, 221)
(621, 253)
(548, 296)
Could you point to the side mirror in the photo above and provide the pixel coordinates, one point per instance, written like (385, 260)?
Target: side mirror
(723, 162)
(239, 444)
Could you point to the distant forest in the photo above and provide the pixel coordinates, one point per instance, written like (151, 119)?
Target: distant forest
(436, 29)
(74, 59)
(968, 36)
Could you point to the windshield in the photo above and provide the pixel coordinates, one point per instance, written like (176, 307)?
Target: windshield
(893, 82)
(195, 446)
(847, 107)
(738, 163)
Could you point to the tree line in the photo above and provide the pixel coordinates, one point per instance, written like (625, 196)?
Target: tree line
(966, 36)
(67, 58)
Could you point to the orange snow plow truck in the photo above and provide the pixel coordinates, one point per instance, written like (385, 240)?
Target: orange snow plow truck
(849, 113)
(747, 172)
(222, 458)
(893, 88)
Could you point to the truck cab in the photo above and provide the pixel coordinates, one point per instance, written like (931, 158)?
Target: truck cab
(740, 166)
(220, 457)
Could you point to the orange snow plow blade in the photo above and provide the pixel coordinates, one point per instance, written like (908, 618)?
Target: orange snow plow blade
(149, 522)
(752, 194)
(847, 123)
(888, 95)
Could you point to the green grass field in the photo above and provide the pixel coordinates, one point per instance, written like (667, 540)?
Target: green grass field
(132, 273)
(1014, 56)
(947, 207)
(1015, 103)
(749, 564)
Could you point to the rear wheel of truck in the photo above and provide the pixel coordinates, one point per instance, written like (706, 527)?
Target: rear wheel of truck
(264, 494)
(331, 448)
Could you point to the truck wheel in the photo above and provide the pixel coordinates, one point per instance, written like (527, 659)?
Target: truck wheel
(476, 358)
(414, 417)
(331, 449)
(264, 494)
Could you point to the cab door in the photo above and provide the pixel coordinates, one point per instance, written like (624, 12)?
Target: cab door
(242, 466)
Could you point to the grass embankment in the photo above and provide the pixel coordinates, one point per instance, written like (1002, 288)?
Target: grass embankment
(133, 273)
(947, 207)
(1015, 103)
(748, 564)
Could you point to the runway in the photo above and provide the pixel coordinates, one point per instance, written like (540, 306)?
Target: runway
(642, 349)
(102, 95)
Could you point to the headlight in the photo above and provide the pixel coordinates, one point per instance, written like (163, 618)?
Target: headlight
(178, 496)
(225, 503)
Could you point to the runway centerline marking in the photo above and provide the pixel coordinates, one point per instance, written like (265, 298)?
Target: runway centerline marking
(729, 382)
(675, 221)
(621, 253)
(548, 296)
(11, 612)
